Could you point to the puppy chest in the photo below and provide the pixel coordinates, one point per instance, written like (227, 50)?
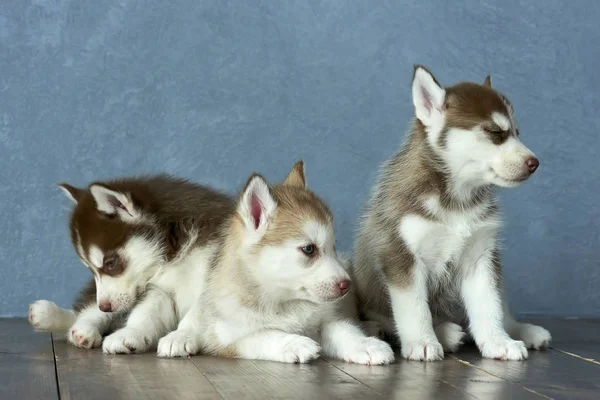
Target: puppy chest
(438, 243)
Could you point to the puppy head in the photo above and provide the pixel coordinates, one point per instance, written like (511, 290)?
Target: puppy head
(116, 240)
(472, 127)
(288, 239)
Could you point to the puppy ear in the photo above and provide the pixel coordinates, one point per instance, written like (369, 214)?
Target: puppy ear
(72, 192)
(114, 203)
(488, 81)
(428, 97)
(256, 206)
(296, 176)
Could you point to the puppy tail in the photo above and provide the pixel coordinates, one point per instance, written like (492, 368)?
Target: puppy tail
(46, 316)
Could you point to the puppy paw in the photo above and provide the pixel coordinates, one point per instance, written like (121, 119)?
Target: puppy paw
(504, 349)
(84, 336)
(426, 350)
(370, 351)
(534, 337)
(126, 341)
(177, 344)
(43, 315)
(300, 349)
(450, 335)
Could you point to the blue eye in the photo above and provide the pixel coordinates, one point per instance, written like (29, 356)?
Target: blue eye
(309, 249)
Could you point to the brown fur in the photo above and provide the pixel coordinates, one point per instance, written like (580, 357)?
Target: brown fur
(414, 173)
(86, 297)
(172, 209)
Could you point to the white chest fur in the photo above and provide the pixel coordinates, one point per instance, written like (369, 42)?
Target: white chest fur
(459, 237)
(185, 278)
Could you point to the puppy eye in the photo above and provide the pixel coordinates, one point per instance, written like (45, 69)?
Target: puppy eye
(309, 249)
(110, 263)
(517, 132)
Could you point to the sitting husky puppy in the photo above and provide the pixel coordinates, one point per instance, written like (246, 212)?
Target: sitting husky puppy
(148, 243)
(275, 284)
(428, 243)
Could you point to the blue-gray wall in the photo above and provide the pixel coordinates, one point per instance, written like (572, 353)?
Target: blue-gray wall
(213, 90)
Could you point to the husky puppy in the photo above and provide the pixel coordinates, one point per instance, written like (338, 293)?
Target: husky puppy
(427, 251)
(276, 287)
(148, 242)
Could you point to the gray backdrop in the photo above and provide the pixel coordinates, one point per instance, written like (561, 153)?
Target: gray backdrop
(213, 90)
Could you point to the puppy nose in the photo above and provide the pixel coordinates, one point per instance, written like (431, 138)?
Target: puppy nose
(532, 164)
(105, 306)
(344, 286)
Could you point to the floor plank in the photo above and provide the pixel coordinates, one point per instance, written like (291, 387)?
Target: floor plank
(26, 362)
(89, 374)
(576, 337)
(548, 373)
(435, 380)
(247, 379)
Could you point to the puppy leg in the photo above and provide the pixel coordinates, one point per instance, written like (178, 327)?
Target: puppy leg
(273, 345)
(481, 293)
(184, 341)
(343, 340)
(89, 326)
(413, 319)
(149, 320)
(534, 336)
(46, 316)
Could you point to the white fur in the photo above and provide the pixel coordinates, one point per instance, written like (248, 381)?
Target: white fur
(103, 195)
(428, 98)
(452, 249)
(143, 257)
(96, 256)
(46, 316)
(88, 328)
(256, 190)
(414, 323)
(174, 287)
(170, 291)
(296, 302)
(500, 120)
(474, 161)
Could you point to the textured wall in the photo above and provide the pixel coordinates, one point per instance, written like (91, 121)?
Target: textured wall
(213, 90)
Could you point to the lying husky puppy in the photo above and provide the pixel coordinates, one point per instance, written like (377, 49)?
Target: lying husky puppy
(427, 253)
(148, 243)
(274, 286)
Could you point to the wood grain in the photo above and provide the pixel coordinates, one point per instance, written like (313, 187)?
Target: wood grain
(89, 374)
(434, 380)
(26, 362)
(248, 379)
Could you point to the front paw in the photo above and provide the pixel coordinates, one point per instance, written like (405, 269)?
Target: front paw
(450, 335)
(43, 315)
(534, 337)
(126, 341)
(177, 344)
(425, 350)
(300, 349)
(504, 349)
(84, 336)
(370, 351)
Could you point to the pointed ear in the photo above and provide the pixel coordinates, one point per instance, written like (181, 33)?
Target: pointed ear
(114, 203)
(428, 96)
(72, 192)
(296, 176)
(488, 81)
(256, 206)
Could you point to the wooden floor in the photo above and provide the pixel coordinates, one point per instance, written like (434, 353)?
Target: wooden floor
(33, 366)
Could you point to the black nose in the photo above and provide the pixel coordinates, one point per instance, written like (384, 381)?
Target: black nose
(532, 164)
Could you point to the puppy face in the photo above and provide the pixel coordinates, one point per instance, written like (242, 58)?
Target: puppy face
(288, 235)
(116, 241)
(474, 130)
